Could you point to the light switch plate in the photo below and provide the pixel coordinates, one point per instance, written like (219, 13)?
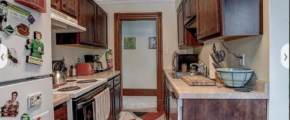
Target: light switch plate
(34, 100)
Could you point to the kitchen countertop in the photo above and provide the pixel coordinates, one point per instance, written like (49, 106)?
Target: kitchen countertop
(184, 91)
(102, 78)
(59, 99)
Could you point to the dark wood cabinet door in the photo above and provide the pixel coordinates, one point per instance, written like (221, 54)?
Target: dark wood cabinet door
(117, 92)
(180, 27)
(111, 116)
(186, 11)
(208, 21)
(55, 4)
(87, 19)
(70, 7)
(192, 7)
(102, 28)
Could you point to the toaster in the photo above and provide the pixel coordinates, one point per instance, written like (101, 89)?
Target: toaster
(85, 68)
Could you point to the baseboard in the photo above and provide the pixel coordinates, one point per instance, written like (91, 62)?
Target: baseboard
(139, 92)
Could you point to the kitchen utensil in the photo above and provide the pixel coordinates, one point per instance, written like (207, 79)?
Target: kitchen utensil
(85, 68)
(212, 68)
(235, 77)
(58, 76)
(197, 80)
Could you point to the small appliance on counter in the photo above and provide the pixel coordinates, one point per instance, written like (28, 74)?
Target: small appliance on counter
(58, 76)
(85, 69)
(179, 59)
(95, 60)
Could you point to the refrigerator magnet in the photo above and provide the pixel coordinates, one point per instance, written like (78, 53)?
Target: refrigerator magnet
(40, 117)
(11, 107)
(37, 49)
(12, 57)
(34, 100)
(31, 19)
(25, 116)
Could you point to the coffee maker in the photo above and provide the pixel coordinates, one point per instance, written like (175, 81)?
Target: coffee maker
(94, 59)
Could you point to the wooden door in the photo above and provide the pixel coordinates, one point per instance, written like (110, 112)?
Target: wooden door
(102, 28)
(186, 11)
(111, 116)
(55, 4)
(87, 19)
(208, 21)
(180, 27)
(117, 102)
(70, 7)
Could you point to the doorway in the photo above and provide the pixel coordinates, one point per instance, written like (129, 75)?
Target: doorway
(157, 17)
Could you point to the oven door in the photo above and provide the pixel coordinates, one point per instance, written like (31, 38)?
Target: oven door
(86, 111)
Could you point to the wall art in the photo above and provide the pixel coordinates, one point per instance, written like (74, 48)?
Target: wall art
(11, 107)
(37, 49)
(130, 43)
(13, 19)
(25, 116)
(13, 58)
(34, 100)
(152, 42)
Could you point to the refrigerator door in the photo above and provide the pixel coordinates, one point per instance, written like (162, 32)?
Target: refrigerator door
(40, 89)
(17, 44)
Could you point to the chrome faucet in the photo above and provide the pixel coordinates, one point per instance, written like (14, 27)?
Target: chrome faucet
(202, 68)
(193, 68)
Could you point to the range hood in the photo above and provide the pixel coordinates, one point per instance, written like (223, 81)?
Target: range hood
(62, 23)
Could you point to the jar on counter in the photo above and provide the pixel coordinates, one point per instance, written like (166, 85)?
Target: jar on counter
(184, 67)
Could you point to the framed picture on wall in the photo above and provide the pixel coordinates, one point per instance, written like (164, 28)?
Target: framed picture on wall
(152, 42)
(130, 43)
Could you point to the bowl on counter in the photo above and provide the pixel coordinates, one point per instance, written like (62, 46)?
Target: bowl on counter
(235, 77)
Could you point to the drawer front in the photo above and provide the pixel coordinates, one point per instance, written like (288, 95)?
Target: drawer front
(116, 80)
(111, 83)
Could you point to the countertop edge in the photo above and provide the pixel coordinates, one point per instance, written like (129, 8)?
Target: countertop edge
(59, 99)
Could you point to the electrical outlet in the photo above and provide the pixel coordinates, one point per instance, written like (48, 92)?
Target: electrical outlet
(242, 60)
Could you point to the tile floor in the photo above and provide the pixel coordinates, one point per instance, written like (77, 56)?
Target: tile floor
(140, 108)
(142, 115)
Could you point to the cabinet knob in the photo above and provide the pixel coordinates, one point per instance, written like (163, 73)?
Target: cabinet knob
(64, 5)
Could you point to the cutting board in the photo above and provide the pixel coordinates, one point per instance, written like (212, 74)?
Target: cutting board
(197, 80)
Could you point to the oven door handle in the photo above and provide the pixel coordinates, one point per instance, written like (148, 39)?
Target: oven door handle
(80, 105)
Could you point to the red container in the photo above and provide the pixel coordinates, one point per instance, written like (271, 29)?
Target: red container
(85, 69)
(38, 5)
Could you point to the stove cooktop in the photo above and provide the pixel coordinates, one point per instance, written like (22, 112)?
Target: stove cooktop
(71, 80)
(69, 88)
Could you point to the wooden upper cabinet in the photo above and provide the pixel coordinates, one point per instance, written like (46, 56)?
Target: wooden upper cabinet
(102, 28)
(189, 10)
(229, 19)
(208, 21)
(87, 19)
(55, 4)
(180, 27)
(70, 7)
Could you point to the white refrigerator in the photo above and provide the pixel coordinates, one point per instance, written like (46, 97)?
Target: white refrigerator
(25, 88)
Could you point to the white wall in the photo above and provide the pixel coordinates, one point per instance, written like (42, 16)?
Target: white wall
(72, 53)
(139, 65)
(169, 24)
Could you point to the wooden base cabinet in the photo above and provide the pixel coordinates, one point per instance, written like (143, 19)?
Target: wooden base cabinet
(115, 97)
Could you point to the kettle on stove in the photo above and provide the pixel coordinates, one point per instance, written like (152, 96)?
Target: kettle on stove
(58, 76)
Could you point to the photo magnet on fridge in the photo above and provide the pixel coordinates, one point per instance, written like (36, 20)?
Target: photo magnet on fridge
(34, 100)
(11, 107)
(37, 49)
